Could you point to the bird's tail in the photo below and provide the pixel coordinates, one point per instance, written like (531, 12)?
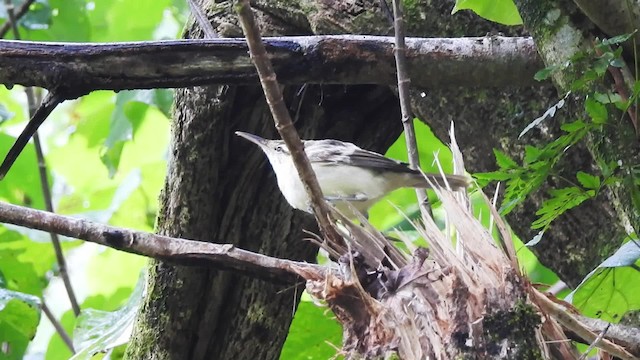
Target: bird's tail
(455, 181)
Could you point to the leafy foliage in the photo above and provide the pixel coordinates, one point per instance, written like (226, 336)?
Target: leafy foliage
(610, 290)
(541, 162)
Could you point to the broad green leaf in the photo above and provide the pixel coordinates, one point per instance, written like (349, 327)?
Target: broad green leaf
(588, 181)
(612, 288)
(607, 98)
(68, 22)
(98, 331)
(500, 11)
(19, 273)
(56, 349)
(312, 331)
(544, 74)
(19, 318)
(596, 110)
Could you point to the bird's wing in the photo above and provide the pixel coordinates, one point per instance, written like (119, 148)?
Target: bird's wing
(338, 152)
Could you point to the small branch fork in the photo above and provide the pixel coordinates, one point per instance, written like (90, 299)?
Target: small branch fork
(282, 119)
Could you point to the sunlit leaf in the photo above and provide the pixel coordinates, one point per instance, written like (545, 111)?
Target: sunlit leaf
(97, 331)
(588, 181)
(312, 331)
(19, 318)
(500, 11)
(612, 288)
(561, 200)
(596, 110)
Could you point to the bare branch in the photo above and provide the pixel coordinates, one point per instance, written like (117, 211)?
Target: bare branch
(400, 53)
(282, 119)
(59, 329)
(201, 19)
(39, 116)
(185, 252)
(349, 59)
(24, 8)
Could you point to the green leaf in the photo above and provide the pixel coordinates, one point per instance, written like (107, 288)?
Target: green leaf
(500, 11)
(573, 126)
(607, 98)
(611, 289)
(312, 330)
(562, 200)
(19, 318)
(504, 161)
(545, 73)
(596, 110)
(67, 21)
(588, 181)
(98, 331)
(618, 39)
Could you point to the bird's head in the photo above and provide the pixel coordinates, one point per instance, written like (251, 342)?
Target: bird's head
(275, 150)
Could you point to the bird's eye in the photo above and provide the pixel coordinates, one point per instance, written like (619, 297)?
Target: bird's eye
(280, 148)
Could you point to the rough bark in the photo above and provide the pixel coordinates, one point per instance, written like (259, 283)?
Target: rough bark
(345, 59)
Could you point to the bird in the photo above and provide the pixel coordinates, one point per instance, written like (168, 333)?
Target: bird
(346, 173)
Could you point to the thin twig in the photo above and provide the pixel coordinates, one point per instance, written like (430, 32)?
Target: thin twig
(201, 19)
(24, 8)
(595, 342)
(405, 102)
(59, 329)
(282, 119)
(44, 180)
(39, 116)
(187, 252)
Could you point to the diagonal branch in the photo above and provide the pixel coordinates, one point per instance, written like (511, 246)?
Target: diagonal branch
(349, 59)
(185, 252)
(400, 53)
(22, 10)
(39, 116)
(282, 119)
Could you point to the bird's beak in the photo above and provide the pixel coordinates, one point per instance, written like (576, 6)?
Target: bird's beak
(253, 138)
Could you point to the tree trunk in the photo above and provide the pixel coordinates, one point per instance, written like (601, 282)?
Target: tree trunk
(221, 189)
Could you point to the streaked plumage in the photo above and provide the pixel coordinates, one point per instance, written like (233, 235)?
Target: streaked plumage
(345, 172)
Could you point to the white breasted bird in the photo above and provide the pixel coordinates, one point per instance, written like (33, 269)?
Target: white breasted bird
(345, 172)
